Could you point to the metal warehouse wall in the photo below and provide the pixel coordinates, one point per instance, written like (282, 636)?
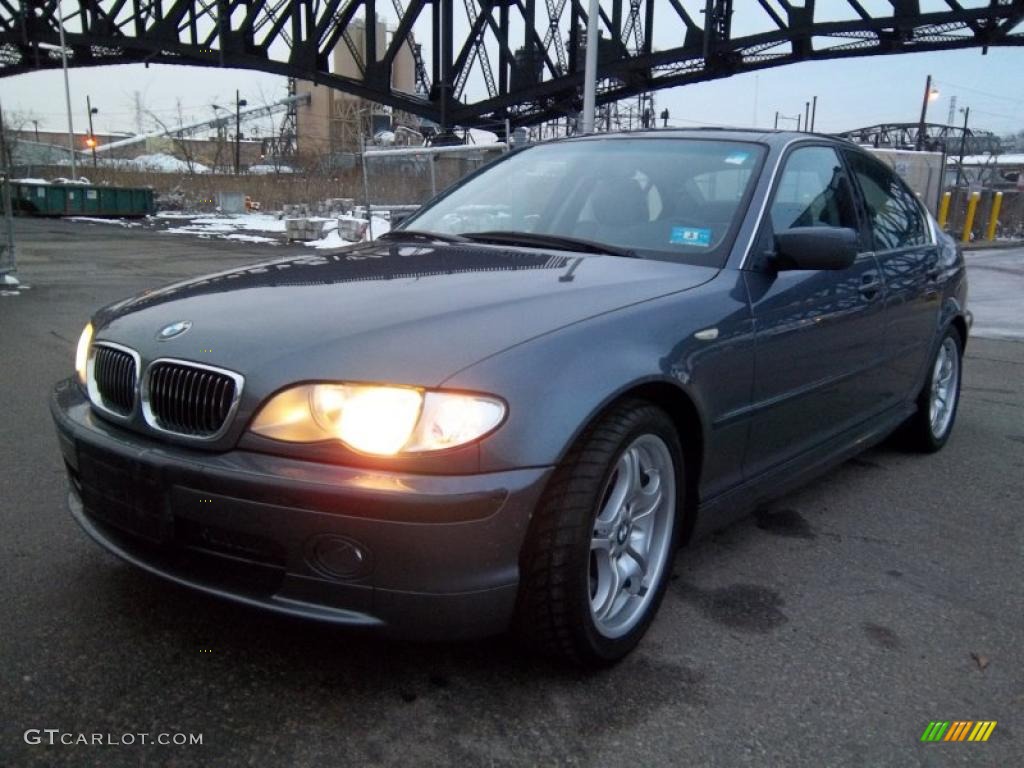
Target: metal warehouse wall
(921, 170)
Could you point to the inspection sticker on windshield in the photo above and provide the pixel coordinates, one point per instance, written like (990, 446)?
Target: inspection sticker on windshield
(737, 158)
(691, 236)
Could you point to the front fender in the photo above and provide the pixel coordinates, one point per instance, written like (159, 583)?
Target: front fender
(557, 384)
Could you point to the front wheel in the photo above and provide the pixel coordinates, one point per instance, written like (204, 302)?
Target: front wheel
(600, 548)
(929, 428)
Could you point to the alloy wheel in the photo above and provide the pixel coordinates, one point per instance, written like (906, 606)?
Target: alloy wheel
(632, 535)
(945, 387)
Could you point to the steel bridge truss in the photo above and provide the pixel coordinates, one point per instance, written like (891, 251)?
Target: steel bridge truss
(937, 138)
(481, 61)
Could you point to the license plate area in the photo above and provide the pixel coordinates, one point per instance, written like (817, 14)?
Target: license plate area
(122, 493)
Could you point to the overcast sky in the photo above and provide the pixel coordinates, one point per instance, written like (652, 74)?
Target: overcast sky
(851, 93)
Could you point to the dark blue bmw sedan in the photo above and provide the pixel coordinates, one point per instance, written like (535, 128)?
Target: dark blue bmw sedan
(510, 412)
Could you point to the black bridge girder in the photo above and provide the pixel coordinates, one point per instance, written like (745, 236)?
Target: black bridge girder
(539, 69)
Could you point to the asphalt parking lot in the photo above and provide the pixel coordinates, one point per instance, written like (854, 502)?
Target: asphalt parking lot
(827, 630)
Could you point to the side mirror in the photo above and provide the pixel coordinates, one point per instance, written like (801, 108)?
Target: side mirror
(816, 248)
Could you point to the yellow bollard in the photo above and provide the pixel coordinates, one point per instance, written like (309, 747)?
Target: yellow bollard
(944, 209)
(972, 208)
(993, 217)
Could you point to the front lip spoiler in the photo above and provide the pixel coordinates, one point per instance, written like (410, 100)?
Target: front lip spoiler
(285, 606)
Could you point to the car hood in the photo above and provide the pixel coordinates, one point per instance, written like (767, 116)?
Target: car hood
(384, 312)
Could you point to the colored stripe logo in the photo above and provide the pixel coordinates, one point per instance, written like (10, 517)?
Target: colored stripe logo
(958, 730)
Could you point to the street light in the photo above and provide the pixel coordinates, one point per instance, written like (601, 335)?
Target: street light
(90, 140)
(239, 103)
(930, 95)
(67, 87)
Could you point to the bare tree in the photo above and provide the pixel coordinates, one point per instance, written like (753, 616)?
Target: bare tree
(185, 149)
(12, 133)
(275, 151)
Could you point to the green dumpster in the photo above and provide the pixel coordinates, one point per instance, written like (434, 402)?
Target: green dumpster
(74, 200)
(81, 200)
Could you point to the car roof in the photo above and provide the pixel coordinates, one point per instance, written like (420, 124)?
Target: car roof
(721, 133)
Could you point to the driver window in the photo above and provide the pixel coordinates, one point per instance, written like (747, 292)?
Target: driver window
(813, 192)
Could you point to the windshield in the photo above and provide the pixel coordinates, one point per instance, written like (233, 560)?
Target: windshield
(664, 198)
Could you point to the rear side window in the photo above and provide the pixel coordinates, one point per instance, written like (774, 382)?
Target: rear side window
(813, 191)
(893, 212)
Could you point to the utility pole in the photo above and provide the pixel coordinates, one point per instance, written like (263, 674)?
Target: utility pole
(35, 124)
(776, 120)
(963, 144)
(366, 183)
(138, 112)
(807, 115)
(91, 141)
(67, 91)
(814, 113)
(930, 94)
(8, 265)
(590, 67)
(239, 103)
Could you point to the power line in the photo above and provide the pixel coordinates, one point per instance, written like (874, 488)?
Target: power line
(981, 93)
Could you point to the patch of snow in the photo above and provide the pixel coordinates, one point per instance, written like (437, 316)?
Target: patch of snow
(222, 224)
(380, 227)
(483, 137)
(334, 240)
(94, 220)
(162, 163)
(244, 227)
(247, 222)
(251, 238)
(331, 240)
(264, 170)
(29, 181)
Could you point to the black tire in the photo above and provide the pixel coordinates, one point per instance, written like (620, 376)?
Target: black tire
(553, 613)
(918, 432)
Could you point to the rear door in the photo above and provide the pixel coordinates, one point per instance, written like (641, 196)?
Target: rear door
(909, 259)
(818, 333)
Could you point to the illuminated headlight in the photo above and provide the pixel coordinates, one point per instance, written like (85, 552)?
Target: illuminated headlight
(82, 353)
(378, 420)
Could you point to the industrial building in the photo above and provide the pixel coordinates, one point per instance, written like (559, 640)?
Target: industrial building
(333, 122)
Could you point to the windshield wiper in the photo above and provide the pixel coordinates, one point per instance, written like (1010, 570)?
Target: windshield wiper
(422, 234)
(540, 240)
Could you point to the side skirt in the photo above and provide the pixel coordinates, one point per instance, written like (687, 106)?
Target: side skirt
(729, 506)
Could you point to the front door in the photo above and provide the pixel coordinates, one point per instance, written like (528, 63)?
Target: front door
(818, 333)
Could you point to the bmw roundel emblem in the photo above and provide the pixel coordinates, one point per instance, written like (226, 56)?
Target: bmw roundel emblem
(174, 330)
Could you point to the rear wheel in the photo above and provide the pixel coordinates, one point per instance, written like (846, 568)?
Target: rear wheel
(601, 544)
(929, 428)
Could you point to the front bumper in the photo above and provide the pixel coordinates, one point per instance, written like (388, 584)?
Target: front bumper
(428, 556)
